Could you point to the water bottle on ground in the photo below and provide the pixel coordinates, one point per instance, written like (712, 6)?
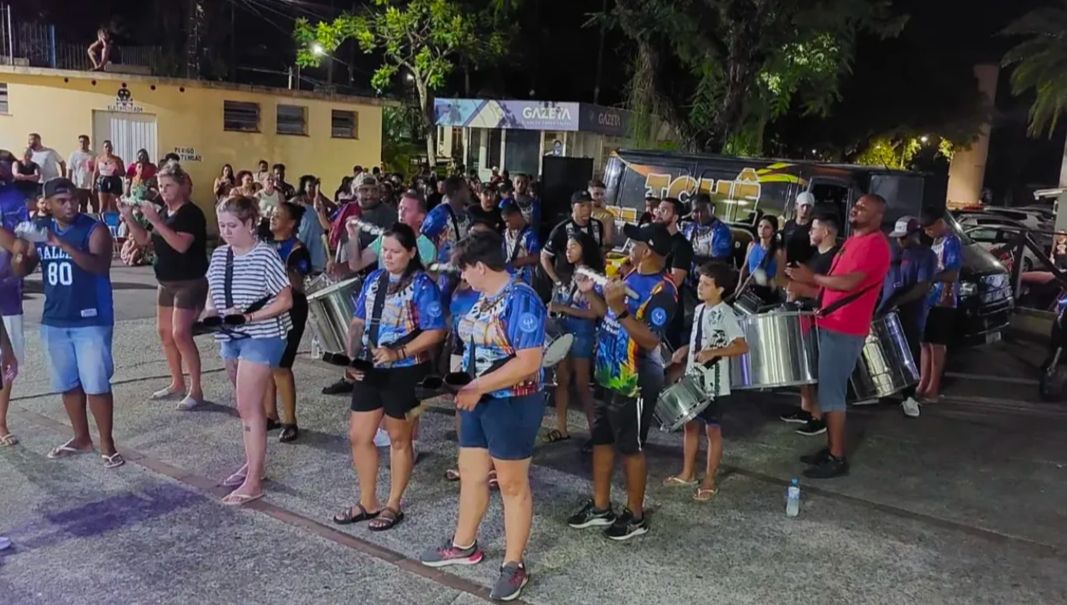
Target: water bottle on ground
(316, 347)
(792, 499)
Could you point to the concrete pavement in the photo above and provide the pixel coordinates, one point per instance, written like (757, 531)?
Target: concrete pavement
(963, 505)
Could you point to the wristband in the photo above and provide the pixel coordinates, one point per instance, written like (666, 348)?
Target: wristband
(621, 316)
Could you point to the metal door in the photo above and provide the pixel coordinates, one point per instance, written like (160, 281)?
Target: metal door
(128, 132)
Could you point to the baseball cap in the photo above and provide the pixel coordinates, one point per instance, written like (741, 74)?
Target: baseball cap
(654, 234)
(905, 225)
(580, 197)
(367, 180)
(805, 199)
(509, 207)
(59, 185)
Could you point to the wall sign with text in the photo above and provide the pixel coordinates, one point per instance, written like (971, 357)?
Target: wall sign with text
(188, 154)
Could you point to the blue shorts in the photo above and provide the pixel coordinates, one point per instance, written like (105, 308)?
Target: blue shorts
(265, 351)
(507, 427)
(838, 354)
(582, 347)
(80, 357)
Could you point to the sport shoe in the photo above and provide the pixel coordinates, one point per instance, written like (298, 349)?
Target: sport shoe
(797, 416)
(910, 407)
(813, 427)
(340, 387)
(816, 458)
(450, 554)
(509, 585)
(188, 403)
(589, 516)
(625, 527)
(381, 439)
(5, 543)
(871, 401)
(828, 469)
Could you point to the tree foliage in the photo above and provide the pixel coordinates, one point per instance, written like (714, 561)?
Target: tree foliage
(1040, 64)
(719, 71)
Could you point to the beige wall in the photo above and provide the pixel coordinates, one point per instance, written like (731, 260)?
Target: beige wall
(60, 105)
(966, 173)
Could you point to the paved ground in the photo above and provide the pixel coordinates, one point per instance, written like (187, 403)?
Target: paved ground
(963, 505)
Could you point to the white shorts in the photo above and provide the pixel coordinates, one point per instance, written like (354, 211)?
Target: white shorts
(13, 326)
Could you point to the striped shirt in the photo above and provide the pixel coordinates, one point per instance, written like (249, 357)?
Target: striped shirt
(257, 274)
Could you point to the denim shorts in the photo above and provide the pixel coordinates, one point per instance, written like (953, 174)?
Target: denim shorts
(582, 347)
(265, 351)
(507, 426)
(838, 354)
(80, 357)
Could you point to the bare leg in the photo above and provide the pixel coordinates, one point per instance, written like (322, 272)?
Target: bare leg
(401, 459)
(514, 478)
(474, 466)
(603, 465)
(5, 401)
(165, 326)
(103, 409)
(582, 376)
(285, 385)
(270, 403)
(361, 429)
(925, 362)
(714, 433)
(636, 471)
(182, 326)
(251, 383)
(835, 433)
(690, 449)
(563, 394)
(74, 403)
(937, 368)
(808, 403)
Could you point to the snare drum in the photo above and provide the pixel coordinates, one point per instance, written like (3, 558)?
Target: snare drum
(330, 311)
(680, 403)
(557, 343)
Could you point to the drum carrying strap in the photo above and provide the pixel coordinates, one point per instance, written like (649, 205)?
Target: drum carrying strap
(837, 304)
(376, 309)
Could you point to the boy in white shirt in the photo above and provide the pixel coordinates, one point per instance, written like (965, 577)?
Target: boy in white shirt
(716, 334)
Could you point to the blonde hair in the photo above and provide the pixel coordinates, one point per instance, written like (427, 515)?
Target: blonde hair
(243, 207)
(174, 171)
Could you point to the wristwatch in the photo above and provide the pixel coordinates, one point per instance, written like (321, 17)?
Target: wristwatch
(621, 316)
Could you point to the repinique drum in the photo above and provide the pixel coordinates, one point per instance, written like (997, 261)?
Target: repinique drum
(886, 365)
(680, 403)
(557, 343)
(330, 312)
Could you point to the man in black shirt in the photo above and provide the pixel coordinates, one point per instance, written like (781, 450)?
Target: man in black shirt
(679, 263)
(553, 259)
(279, 182)
(487, 210)
(796, 234)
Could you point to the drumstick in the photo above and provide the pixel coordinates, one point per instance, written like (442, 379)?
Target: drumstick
(602, 280)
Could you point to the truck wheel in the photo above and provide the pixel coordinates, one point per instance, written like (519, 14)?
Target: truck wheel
(1050, 385)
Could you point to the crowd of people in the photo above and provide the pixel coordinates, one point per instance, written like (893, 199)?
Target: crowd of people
(456, 280)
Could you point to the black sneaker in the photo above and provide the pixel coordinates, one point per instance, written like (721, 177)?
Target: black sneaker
(797, 416)
(828, 469)
(509, 585)
(340, 387)
(816, 458)
(813, 427)
(589, 516)
(626, 527)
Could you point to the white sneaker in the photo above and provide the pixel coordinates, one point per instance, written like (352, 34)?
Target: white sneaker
(188, 403)
(166, 393)
(381, 439)
(4, 543)
(911, 407)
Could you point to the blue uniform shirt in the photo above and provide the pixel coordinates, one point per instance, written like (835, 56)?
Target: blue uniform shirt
(949, 252)
(12, 212)
(521, 244)
(714, 240)
(496, 327)
(909, 266)
(569, 295)
(444, 232)
(74, 297)
(416, 306)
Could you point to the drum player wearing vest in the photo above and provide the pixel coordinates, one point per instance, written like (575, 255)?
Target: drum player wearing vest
(849, 294)
(716, 335)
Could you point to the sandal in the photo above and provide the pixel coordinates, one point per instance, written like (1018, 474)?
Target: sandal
(273, 425)
(452, 474)
(387, 518)
(289, 433)
(8, 440)
(346, 517)
(65, 451)
(555, 435)
(236, 499)
(676, 481)
(704, 494)
(493, 484)
(113, 461)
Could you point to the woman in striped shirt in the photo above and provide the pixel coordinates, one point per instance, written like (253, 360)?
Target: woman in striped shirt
(249, 288)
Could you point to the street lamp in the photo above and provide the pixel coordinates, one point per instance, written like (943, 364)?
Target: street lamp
(924, 139)
(317, 49)
(410, 77)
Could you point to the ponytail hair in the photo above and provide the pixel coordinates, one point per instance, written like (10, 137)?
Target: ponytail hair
(407, 238)
(244, 208)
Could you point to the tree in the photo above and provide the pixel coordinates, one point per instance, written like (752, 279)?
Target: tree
(421, 39)
(719, 71)
(1040, 64)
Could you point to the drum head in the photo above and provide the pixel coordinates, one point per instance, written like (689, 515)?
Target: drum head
(556, 350)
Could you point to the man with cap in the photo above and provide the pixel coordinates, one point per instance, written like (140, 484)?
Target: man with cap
(679, 263)
(78, 320)
(905, 289)
(635, 313)
(711, 238)
(522, 247)
(581, 219)
(942, 300)
(796, 234)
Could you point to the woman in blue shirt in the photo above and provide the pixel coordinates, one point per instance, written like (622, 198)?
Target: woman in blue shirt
(762, 260)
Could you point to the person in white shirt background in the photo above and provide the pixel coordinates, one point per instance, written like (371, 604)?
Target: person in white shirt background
(51, 163)
(80, 172)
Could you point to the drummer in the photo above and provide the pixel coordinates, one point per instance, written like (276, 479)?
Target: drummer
(716, 334)
(522, 245)
(399, 319)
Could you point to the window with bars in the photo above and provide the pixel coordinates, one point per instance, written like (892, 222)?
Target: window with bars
(344, 124)
(3, 98)
(292, 119)
(239, 116)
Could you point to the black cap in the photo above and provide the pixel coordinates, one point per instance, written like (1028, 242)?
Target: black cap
(509, 208)
(504, 185)
(59, 185)
(654, 234)
(580, 197)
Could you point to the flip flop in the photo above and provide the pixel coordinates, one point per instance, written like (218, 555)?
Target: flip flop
(346, 517)
(65, 451)
(704, 494)
(493, 483)
(240, 499)
(676, 481)
(555, 435)
(113, 461)
(166, 393)
(388, 518)
(452, 475)
(8, 440)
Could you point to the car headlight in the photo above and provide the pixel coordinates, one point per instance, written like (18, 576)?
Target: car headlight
(968, 289)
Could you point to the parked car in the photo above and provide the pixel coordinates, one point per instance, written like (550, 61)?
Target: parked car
(1037, 220)
(1001, 243)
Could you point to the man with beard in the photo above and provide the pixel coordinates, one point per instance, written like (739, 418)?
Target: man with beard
(527, 204)
(552, 255)
(796, 234)
(597, 190)
(369, 209)
(679, 263)
(711, 238)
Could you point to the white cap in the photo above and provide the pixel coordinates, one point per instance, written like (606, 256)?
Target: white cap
(805, 199)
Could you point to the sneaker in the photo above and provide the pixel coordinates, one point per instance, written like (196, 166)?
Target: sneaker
(381, 439)
(816, 458)
(509, 585)
(871, 401)
(625, 527)
(813, 427)
(589, 516)
(5, 543)
(340, 387)
(797, 416)
(910, 407)
(828, 469)
(188, 403)
(450, 554)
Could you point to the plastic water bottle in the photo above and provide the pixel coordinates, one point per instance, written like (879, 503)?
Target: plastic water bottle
(792, 499)
(316, 347)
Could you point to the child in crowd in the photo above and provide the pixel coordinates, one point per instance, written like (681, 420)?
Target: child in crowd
(716, 337)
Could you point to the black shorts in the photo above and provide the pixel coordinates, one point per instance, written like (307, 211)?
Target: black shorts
(624, 421)
(109, 184)
(712, 415)
(298, 314)
(393, 389)
(940, 326)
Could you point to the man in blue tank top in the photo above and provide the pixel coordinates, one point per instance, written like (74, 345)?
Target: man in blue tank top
(78, 318)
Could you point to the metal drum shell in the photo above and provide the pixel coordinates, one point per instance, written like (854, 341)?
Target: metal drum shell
(680, 403)
(330, 310)
(782, 351)
(885, 365)
(557, 341)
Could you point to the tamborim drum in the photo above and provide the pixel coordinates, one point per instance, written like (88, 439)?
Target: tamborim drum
(680, 403)
(557, 343)
(886, 364)
(782, 351)
(330, 311)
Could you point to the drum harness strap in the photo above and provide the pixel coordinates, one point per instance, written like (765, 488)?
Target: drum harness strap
(518, 245)
(227, 290)
(837, 304)
(712, 365)
(375, 323)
